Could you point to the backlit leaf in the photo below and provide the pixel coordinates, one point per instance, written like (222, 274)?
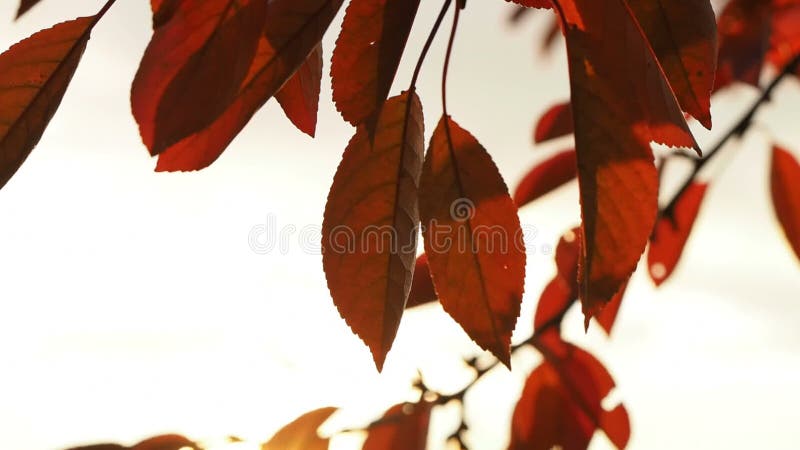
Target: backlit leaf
(299, 97)
(403, 427)
(534, 3)
(34, 75)
(301, 434)
(422, 291)
(744, 34)
(371, 224)
(554, 123)
(671, 233)
(617, 114)
(294, 29)
(367, 54)
(165, 442)
(546, 177)
(473, 238)
(785, 187)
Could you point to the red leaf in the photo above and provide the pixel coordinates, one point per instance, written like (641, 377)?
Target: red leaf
(554, 123)
(671, 233)
(100, 447)
(301, 434)
(744, 33)
(617, 113)
(371, 224)
(785, 187)
(546, 177)
(608, 315)
(548, 4)
(193, 68)
(25, 5)
(34, 75)
(293, 29)
(403, 427)
(785, 33)
(299, 97)
(165, 442)
(367, 54)
(561, 404)
(422, 291)
(472, 237)
(683, 35)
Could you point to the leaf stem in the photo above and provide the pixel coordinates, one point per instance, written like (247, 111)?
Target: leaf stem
(449, 53)
(428, 43)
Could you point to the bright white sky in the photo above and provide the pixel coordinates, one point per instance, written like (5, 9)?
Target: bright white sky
(133, 305)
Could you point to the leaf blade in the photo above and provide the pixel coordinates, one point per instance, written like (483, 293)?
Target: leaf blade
(785, 190)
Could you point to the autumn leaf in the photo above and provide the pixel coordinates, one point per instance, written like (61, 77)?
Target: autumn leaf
(34, 75)
(683, 35)
(546, 177)
(371, 223)
(299, 97)
(554, 123)
(561, 405)
(617, 114)
(100, 447)
(367, 54)
(301, 434)
(403, 427)
(533, 3)
(193, 68)
(294, 28)
(25, 5)
(671, 233)
(785, 188)
(422, 291)
(165, 442)
(744, 37)
(473, 238)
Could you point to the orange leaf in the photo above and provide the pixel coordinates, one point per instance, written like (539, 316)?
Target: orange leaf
(293, 29)
(367, 54)
(299, 97)
(617, 113)
(301, 434)
(561, 403)
(371, 224)
(165, 442)
(25, 5)
(193, 68)
(422, 291)
(785, 187)
(403, 427)
(671, 233)
(546, 177)
(607, 316)
(34, 75)
(554, 123)
(683, 35)
(744, 34)
(472, 237)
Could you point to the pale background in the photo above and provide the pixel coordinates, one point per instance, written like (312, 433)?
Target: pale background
(132, 303)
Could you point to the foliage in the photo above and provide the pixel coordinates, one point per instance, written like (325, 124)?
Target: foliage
(638, 69)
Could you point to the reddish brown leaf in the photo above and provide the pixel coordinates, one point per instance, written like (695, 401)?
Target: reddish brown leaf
(744, 33)
(558, 295)
(299, 97)
(785, 32)
(607, 316)
(100, 447)
(422, 291)
(34, 75)
(617, 113)
(293, 29)
(554, 123)
(367, 54)
(371, 224)
(683, 35)
(561, 404)
(533, 3)
(403, 427)
(193, 68)
(546, 177)
(785, 187)
(301, 434)
(25, 5)
(671, 233)
(165, 442)
(472, 237)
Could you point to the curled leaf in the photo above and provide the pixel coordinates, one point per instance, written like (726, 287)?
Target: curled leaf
(301, 434)
(785, 188)
(546, 177)
(554, 123)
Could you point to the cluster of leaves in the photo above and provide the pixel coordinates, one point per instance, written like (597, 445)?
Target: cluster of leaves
(211, 64)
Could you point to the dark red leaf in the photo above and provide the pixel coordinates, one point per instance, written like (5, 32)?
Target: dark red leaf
(683, 35)
(25, 5)
(299, 97)
(785, 187)
(785, 32)
(367, 54)
(617, 114)
(301, 434)
(546, 177)
(671, 233)
(533, 3)
(403, 427)
(293, 29)
(371, 223)
(34, 75)
(473, 238)
(744, 34)
(554, 123)
(422, 291)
